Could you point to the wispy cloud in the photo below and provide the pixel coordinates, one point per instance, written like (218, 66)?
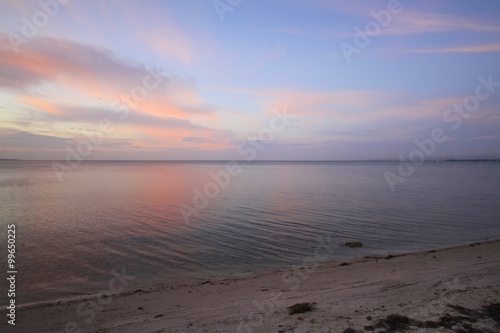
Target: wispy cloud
(159, 34)
(409, 21)
(268, 53)
(485, 137)
(460, 49)
(412, 22)
(29, 140)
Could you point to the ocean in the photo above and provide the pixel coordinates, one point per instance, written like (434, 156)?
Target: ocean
(172, 222)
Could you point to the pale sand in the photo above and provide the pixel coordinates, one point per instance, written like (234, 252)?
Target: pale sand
(418, 285)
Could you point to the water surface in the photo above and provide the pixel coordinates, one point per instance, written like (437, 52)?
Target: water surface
(109, 215)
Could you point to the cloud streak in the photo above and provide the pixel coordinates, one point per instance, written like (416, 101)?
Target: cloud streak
(461, 49)
(409, 21)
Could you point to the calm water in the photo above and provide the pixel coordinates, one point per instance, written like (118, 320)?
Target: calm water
(109, 215)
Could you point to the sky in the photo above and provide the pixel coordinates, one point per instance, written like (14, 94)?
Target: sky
(215, 79)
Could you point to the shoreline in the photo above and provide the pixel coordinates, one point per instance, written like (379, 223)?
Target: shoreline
(343, 293)
(193, 280)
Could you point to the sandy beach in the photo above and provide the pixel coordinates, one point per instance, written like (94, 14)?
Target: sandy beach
(446, 290)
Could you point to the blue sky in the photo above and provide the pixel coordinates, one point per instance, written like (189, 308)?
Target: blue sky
(222, 76)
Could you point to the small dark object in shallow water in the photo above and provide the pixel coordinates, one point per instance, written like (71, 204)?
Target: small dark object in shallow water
(300, 308)
(353, 244)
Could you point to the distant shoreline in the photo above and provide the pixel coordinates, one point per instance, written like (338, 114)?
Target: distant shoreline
(267, 161)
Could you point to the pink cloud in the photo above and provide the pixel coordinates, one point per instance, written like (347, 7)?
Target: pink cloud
(98, 74)
(164, 118)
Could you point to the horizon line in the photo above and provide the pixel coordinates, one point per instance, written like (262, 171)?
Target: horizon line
(276, 161)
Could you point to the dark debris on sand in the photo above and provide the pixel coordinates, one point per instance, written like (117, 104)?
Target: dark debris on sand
(394, 323)
(300, 308)
(349, 330)
(493, 311)
(462, 323)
